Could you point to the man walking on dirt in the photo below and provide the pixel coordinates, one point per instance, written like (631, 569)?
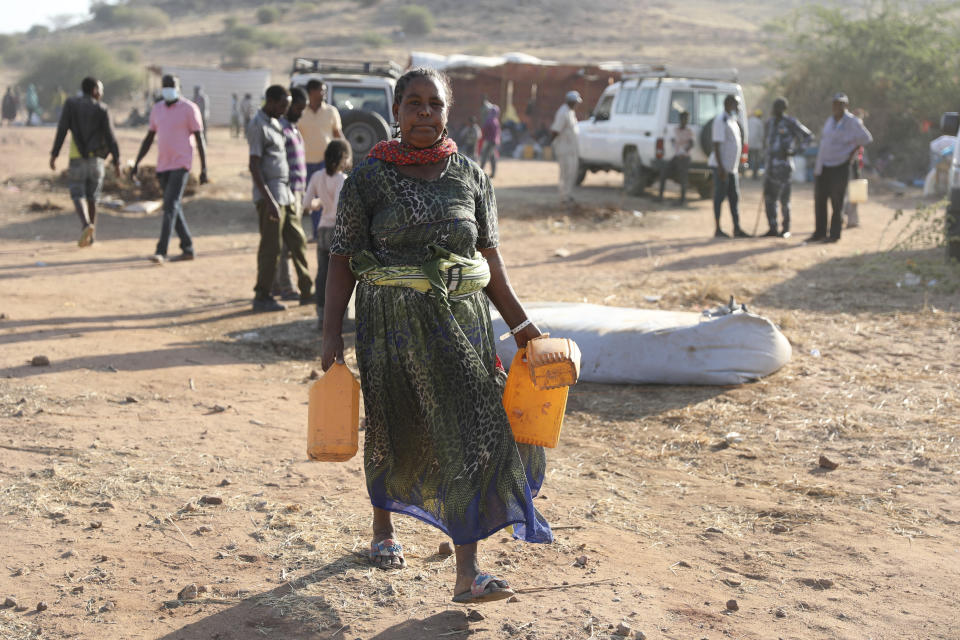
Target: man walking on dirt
(725, 162)
(89, 124)
(177, 125)
(785, 137)
(563, 137)
(319, 124)
(843, 133)
(274, 200)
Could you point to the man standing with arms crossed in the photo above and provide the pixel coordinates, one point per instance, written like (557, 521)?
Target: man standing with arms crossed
(319, 124)
(275, 202)
(785, 138)
(176, 124)
(89, 124)
(843, 133)
(563, 137)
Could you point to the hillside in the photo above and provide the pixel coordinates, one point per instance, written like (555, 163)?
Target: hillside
(725, 33)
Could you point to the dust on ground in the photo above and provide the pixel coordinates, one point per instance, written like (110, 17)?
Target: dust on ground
(164, 445)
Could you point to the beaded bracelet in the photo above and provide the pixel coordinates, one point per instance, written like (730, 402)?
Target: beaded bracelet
(517, 329)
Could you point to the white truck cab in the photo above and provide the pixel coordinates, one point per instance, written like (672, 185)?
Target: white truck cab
(362, 91)
(632, 124)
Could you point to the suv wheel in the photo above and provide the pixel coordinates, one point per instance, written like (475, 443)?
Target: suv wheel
(634, 174)
(705, 187)
(363, 129)
(581, 172)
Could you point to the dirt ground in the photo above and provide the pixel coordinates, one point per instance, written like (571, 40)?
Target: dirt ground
(163, 389)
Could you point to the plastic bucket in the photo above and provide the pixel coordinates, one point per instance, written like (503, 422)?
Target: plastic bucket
(858, 190)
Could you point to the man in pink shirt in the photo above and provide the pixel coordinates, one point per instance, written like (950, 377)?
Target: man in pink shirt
(175, 122)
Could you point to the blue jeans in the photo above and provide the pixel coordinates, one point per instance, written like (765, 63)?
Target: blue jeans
(173, 183)
(728, 189)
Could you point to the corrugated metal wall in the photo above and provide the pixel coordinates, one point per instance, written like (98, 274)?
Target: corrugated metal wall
(220, 85)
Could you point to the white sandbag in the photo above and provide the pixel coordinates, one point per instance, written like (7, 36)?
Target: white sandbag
(642, 346)
(144, 206)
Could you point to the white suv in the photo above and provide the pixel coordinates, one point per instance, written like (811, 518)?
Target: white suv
(361, 91)
(631, 126)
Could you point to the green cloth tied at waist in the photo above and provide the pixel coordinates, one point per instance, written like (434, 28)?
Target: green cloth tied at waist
(446, 275)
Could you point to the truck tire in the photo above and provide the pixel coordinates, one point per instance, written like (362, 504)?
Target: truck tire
(581, 172)
(705, 187)
(634, 174)
(363, 129)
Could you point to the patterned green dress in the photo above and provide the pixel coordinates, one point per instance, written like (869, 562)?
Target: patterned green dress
(438, 443)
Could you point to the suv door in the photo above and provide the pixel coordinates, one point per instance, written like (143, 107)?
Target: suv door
(594, 131)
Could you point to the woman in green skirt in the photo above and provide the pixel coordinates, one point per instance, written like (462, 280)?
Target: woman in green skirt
(416, 233)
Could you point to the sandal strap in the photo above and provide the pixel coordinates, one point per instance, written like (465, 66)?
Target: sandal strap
(480, 583)
(388, 548)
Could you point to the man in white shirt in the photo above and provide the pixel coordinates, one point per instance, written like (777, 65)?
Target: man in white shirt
(843, 134)
(563, 137)
(319, 124)
(725, 162)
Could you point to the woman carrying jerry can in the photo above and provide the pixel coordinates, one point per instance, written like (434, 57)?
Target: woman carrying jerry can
(416, 232)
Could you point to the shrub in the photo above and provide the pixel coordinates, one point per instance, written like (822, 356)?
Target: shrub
(37, 31)
(230, 23)
(123, 15)
(367, 3)
(374, 40)
(67, 63)
(6, 42)
(266, 15)
(129, 55)
(237, 53)
(416, 20)
(243, 32)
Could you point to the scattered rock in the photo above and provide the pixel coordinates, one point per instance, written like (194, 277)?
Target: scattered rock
(77, 590)
(562, 252)
(102, 505)
(732, 605)
(189, 592)
(445, 549)
(623, 629)
(513, 599)
(109, 605)
(640, 635)
(714, 530)
(780, 528)
(42, 605)
(475, 616)
(69, 553)
(220, 555)
(202, 529)
(827, 463)
(19, 571)
(314, 374)
(204, 588)
(172, 604)
(581, 562)
(684, 564)
(248, 557)
(40, 361)
(188, 508)
(780, 613)
(10, 603)
(817, 583)
(96, 524)
(211, 500)
(225, 483)
(732, 582)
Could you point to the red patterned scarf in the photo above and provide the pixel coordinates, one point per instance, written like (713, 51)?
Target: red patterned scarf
(395, 152)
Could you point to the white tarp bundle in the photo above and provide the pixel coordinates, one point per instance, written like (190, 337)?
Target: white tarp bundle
(644, 346)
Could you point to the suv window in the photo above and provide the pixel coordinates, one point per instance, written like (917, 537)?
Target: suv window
(646, 102)
(364, 98)
(625, 100)
(708, 106)
(680, 101)
(602, 111)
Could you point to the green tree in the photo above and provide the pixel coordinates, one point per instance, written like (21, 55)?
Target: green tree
(66, 64)
(901, 65)
(416, 20)
(266, 15)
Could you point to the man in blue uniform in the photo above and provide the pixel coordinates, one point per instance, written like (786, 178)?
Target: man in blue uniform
(784, 137)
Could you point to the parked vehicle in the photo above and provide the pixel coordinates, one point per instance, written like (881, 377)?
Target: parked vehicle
(362, 91)
(632, 124)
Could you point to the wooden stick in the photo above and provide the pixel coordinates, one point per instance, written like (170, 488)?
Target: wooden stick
(170, 520)
(569, 526)
(566, 586)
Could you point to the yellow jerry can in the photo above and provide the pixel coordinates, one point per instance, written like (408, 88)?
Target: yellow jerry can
(553, 362)
(536, 415)
(333, 416)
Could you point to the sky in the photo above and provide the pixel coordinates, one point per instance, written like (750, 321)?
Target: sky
(19, 15)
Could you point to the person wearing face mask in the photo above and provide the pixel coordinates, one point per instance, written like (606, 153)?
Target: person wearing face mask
(275, 202)
(177, 126)
(416, 233)
(296, 161)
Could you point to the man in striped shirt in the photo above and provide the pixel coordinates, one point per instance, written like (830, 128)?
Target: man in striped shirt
(297, 162)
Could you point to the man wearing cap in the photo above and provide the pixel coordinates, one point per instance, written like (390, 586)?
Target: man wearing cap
(725, 162)
(785, 137)
(843, 134)
(563, 137)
